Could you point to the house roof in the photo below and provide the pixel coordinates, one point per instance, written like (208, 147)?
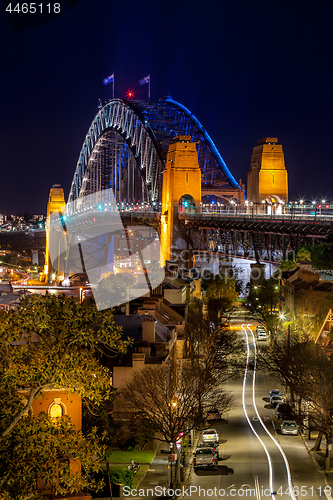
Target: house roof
(6, 288)
(131, 325)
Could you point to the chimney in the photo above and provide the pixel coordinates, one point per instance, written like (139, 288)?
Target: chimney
(138, 360)
(148, 329)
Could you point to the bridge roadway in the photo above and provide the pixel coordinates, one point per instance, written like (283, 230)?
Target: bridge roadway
(296, 228)
(315, 225)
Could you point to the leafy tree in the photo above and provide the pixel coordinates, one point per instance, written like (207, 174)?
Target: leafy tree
(321, 256)
(222, 288)
(288, 265)
(303, 254)
(50, 342)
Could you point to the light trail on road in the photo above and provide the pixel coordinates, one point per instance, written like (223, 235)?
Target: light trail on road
(246, 329)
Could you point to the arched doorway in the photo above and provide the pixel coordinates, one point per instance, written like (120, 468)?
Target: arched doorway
(186, 204)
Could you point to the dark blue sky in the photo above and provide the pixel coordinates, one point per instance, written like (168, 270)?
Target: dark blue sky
(246, 69)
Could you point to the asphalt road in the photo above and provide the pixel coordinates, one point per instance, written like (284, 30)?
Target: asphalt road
(255, 460)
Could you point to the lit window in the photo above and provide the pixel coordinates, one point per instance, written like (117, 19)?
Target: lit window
(56, 411)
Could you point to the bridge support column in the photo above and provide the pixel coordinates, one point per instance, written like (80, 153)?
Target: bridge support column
(181, 193)
(257, 273)
(56, 200)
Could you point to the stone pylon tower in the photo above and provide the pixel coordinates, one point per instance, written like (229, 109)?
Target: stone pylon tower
(267, 177)
(181, 191)
(56, 200)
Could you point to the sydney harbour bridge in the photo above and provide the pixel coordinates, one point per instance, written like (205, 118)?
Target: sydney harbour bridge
(125, 150)
(126, 146)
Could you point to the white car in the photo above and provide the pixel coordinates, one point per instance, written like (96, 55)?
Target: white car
(289, 427)
(210, 435)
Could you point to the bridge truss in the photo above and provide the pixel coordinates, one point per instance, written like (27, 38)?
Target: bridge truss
(261, 239)
(126, 146)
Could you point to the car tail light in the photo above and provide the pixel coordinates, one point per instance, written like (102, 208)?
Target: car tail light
(194, 461)
(213, 460)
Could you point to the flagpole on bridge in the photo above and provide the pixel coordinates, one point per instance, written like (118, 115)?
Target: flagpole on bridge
(109, 79)
(149, 88)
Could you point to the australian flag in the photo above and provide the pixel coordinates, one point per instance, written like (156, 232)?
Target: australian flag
(144, 80)
(108, 79)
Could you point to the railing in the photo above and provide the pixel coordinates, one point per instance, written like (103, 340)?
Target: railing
(261, 217)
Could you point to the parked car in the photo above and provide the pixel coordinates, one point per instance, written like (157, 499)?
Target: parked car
(262, 335)
(205, 457)
(289, 427)
(209, 435)
(275, 400)
(214, 445)
(213, 414)
(284, 411)
(260, 328)
(274, 392)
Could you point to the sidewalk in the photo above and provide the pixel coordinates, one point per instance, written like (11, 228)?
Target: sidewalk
(307, 468)
(159, 472)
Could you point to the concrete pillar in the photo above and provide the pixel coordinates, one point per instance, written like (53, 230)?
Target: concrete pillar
(258, 273)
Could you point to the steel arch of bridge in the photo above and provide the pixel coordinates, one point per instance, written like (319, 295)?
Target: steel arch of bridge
(126, 145)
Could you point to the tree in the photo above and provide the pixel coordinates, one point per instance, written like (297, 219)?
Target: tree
(222, 288)
(173, 398)
(264, 301)
(208, 338)
(323, 309)
(317, 392)
(306, 370)
(287, 360)
(288, 265)
(50, 342)
(303, 254)
(321, 256)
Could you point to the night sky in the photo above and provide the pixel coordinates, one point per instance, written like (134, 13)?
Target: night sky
(246, 69)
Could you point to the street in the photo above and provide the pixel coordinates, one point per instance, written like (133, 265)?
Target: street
(255, 460)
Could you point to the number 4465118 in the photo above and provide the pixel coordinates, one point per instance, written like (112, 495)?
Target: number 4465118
(33, 8)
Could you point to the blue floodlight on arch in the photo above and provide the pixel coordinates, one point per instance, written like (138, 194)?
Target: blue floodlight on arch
(208, 139)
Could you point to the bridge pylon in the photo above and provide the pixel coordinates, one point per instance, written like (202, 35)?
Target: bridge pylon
(181, 193)
(56, 200)
(267, 180)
